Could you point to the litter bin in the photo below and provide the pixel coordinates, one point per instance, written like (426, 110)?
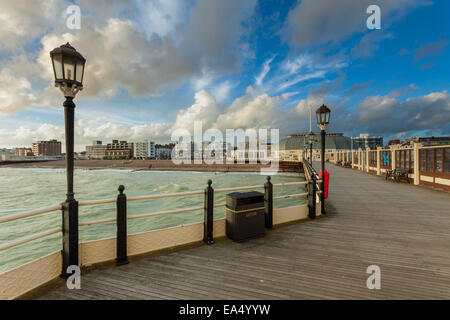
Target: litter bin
(245, 215)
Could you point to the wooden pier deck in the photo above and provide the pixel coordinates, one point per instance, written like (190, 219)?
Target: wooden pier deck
(403, 229)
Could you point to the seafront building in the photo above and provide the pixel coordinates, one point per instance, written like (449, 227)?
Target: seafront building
(365, 141)
(144, 150)
(47, 148)
(22, 152)
(119, 150)
(294, 146)
(96, 151)
(253, 151)
(114, 150)
(163, 153)
(432, 141)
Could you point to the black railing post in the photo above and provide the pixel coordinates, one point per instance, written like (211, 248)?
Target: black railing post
(209, 214)
(69, 236)
(121, 205)
(268, 203)
(312, 196)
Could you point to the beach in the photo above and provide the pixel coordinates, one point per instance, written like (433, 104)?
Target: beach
(161, 165)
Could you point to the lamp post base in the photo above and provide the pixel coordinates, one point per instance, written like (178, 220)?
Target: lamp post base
(69, 235)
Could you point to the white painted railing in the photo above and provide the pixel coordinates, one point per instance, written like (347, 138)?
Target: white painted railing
(145, 215)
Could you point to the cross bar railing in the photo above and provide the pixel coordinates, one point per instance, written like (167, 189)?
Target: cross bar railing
(122, 217)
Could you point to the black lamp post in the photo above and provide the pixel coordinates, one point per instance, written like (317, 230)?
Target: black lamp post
(68, 68)
(311, 143)
(323, 119)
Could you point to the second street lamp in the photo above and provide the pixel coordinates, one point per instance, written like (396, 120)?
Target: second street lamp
(311, 140)
(68, 68)
(323, 120)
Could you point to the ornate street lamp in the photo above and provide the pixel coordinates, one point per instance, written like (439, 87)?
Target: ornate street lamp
(68, 68)
(323, 120)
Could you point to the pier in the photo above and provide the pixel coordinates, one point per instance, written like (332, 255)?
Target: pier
(402, 228)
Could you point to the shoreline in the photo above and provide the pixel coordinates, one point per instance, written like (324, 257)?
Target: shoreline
(144, 165)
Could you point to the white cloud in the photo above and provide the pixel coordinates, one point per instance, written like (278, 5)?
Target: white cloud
(22, 21)
(266, 68)
(205, 109)
(387, 114)
(222, 91)
(298, 63)
(25, 136)
(143, 59)
(302, 77)
(15, 92)
(161, 16)
(250, 111)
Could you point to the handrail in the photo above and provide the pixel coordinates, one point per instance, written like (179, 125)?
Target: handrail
(238, 188)
(105, 201)
(94, 202)
(181, 194)
(433, 147)
(160, 213)
(153, 196)
(287, 184)
(25, 240)
(166, 195)
(29, 214)
(89, 223)
(291, 196)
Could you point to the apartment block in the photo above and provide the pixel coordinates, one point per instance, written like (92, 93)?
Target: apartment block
(47, 148)
(96, 151)
(120, 150)
(144, 150)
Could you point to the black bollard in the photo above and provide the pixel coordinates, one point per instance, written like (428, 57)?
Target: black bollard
(121, 205)
(268, 204)
(209, 214)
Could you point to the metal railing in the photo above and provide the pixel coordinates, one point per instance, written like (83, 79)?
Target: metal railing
(315, 184)
(122, 217)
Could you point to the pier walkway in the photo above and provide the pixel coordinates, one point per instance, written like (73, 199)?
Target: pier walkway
(403, 229)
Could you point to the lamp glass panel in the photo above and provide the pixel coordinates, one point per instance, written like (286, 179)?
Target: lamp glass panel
(57, 66)
(69, 68)
(80, 69)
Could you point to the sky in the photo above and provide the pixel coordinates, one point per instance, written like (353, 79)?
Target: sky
(158, 65)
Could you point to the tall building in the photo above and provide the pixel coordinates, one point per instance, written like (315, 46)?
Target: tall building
(96, 150)
(120, 150)
(365, 141)
(47, 148)
(144, 150)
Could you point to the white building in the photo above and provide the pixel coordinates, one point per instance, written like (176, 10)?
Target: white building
(144, 150)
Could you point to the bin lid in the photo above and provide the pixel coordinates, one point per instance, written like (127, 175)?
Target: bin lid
(248, 194)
